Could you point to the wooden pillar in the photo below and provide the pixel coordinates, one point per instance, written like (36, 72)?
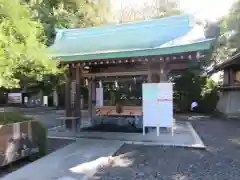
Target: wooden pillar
(149, 78)
(163, 72)
(90, 98)
(78, 96)
(231, 77)
(67, 96)
(93, 104)
(55, 97)
(226, 78)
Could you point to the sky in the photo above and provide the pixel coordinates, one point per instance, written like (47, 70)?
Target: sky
(203, 9)
(208, 9)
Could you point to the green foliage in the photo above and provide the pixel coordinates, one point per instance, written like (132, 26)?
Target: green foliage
(21, 54)
(209, 97)
(68, 14)
(90, 13)
(190, 87)
(42, 139)
(233, 21)
(150, 10)
(57, 14)
(12, 117)
(229, 41)
(187, 88)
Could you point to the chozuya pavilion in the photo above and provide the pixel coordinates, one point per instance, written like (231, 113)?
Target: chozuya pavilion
(124, 56)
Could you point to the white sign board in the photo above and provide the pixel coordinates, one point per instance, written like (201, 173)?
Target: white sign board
(149, 105)
(15, 98)
(165, 104)
(157, 105)
(99, 97)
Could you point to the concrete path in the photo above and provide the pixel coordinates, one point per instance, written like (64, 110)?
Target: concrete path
(78, 161)
(183, 135)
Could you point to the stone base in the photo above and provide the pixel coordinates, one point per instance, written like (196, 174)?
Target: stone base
(120, 121)
(229, 103)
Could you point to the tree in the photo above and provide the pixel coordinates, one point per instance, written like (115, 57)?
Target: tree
(149, 10)
(68, 14)
(91, 13)
(233, 26)
(22, 53)
(228, 43)
(58, 14)
(190, 86)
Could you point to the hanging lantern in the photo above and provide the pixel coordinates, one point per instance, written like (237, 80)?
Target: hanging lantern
(116, 84)
(108, 87)
(86, 82)
(198, 55)
(135, 80)
(100, 84)
(130, 88)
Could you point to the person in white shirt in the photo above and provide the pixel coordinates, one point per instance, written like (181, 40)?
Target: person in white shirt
(194, 105)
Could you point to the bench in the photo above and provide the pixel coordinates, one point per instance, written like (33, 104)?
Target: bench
(64, 119)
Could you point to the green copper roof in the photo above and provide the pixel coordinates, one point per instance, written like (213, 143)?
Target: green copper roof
(200, 46)
(153, 37)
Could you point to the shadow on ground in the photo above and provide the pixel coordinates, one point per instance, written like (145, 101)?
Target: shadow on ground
(221, 159)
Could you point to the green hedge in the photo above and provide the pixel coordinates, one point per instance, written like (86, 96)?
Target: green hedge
(13, 117)
(189, 87)
(42, 141)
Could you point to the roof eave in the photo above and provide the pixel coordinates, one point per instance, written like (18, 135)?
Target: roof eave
(227, 63)
(199, 46)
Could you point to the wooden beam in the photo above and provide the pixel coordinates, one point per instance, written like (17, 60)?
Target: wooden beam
(180, 66)
(136, 73)
(123, 79)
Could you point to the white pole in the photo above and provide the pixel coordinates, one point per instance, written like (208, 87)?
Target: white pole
(158, 130)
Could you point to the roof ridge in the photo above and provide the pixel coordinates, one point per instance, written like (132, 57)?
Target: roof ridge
(124, 24)
(112, 31)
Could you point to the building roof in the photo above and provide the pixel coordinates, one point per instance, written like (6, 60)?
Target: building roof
(153, 37)
(234, 60)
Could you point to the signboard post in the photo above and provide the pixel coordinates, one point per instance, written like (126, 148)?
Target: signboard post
(157, 105)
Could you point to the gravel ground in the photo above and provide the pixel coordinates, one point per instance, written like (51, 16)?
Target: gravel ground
(52, 144)
(221, 160)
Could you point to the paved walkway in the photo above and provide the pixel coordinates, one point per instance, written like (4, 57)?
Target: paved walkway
(77, 161)
(183, 135)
